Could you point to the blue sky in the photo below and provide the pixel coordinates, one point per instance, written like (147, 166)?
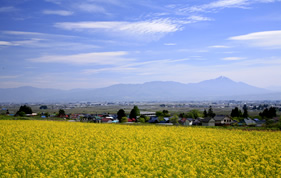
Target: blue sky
(69, 44)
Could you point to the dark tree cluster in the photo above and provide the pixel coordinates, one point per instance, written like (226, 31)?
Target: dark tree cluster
(210, 113)
(43, 107)
(24, 110)
(164, 113)
(191, 114)
(61, 113)
(268, 113)
(238, 113)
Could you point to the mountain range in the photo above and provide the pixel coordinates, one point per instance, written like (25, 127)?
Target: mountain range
(221, 88)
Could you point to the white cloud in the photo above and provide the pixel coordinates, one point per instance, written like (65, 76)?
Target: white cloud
(6, 43)
(233, 58)
(92, 8)
(196, 18)
(99, 58)
(7, 9)
(58, 12)
(266, 39)
(170, 44)
(219, 46)
(226, 4)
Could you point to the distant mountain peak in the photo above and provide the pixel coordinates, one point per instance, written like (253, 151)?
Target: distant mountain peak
(222, 78)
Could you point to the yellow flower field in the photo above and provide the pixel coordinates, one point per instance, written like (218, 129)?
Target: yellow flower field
(65, 149)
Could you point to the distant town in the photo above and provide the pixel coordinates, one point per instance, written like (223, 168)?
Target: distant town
(192, 113)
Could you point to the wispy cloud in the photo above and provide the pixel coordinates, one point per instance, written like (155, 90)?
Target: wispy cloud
(99, 58)
(8, 9)
(9, 76)
(58, 12)
(222, 4)
(19, 43)
(141, 27)
(152, 29)
(6, 43)
(265, 39)
(135, 66)
(46, 41)
(197, 18)
(233, 58)
(34, 34)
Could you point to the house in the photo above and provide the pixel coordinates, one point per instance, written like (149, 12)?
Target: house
(197, 121)
(165, 120)
(223, 120)
(208, 122)
(115, 121)
(153, 120)
(185, 122)
(106, 120)
(259, 123)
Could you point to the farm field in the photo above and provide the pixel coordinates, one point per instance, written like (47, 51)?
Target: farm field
(58, 149)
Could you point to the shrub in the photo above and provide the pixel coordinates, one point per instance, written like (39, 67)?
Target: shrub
(142, 120)
(124, 119)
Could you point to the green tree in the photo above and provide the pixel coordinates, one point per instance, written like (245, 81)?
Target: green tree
(166, 113)
(205, 114)
(174, 119)
(146, 118)
(159, 113)
(160, 118)
(211, 112)
(134, 113)
(194, 114)
(121, 113)
(245, 113)
(142, 120)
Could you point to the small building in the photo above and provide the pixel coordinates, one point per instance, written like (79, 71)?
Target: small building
(185, 122)
(149, 114)
(153, 120)
(106, 120)
(223, 120)
(259, 123)
(197, 121)
(250, 122)
(208, 122)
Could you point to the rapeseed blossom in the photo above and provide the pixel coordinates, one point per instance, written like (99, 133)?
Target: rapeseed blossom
(64, 149)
